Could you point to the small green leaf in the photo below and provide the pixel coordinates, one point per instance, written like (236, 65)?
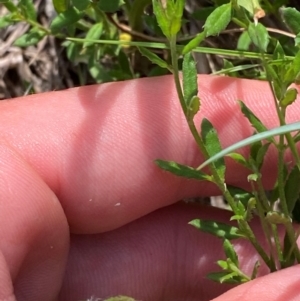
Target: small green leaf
(259, 36)
(110, 6)
(190, 85)
(244, 41)
(94, 33)
(224, 277)
(194, 42)
(218, 20)
(70, 16)
(28, 9)
(218, 229)
(29, 39)
(255, 121)
(291, 17)
(292, 188)
(230, 252)
(255, 270)
(155, 59)
(289, 97)
(238, 158)
(212, 144)
(5, 21)
(61, 5)
(81, 4)
(10, 6)
(261, 154)
(168, 15)
(261, 136)
(182, 170)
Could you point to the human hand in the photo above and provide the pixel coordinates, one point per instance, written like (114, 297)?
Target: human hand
(81, 161)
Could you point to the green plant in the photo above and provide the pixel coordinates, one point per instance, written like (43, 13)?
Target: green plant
(89, 32)
(281, 72)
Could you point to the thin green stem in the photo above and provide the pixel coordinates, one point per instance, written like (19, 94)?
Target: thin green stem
(265, 201)
(221, 185)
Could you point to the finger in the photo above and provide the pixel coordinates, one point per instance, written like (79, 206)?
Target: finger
(34, 237)
(95, 146)
(157, 257)
(279, 286)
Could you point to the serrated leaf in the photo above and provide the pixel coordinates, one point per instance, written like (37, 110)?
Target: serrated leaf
(69, 17)
(182, 170)
(110, 6)
(230, 252)
(259, 36)
(190, 85)
(292, 188)
(291, 17)
(28, 9)
(155, 59)
(61, 5)
(218, 20)
(212, 144)
(194, 42)
(253, 119)
(29, 39)
(94, 33)
(218, 229)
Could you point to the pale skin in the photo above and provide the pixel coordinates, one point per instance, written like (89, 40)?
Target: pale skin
(85, 211)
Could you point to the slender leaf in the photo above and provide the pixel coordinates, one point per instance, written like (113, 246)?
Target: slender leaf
(81, 4)
(110, 6)
(291, 17)
(224, 277)
(230, 252)
(182, 170)
(261, 154)
(61, 5)
(289, 97)
(212, 145)
(28, 9)
(155, 59)
(30, 38)
(238, 158)
(255, 121)
(94, 33)
(218, 20)
(292, 188)
(259, 36)
(70, 16)
(255, 270)
(194, 42)
(261, 136)
(6, 21)
(190, 85)
(218, 229)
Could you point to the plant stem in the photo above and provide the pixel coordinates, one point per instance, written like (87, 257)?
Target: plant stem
(221, 185)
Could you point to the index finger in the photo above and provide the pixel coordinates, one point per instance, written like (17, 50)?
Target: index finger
(95, 146)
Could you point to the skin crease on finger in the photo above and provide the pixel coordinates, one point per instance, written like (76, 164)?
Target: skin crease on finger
(86, 157)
